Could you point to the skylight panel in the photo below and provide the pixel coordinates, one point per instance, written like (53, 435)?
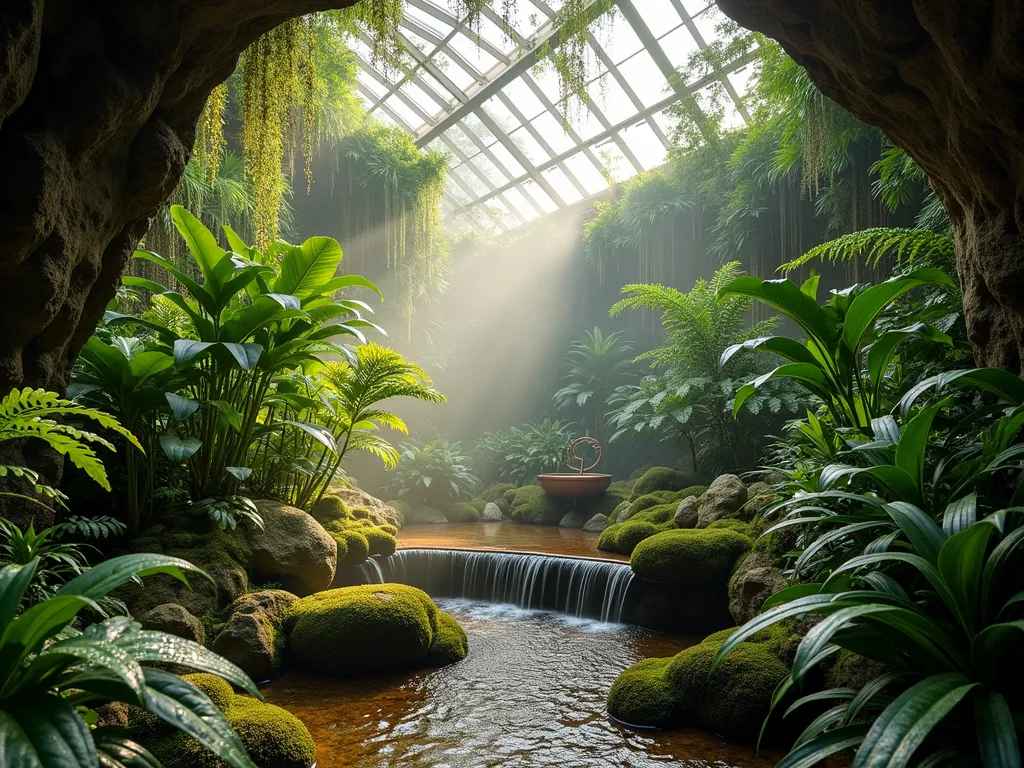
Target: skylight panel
(560, 182)
(645, 78)
(473, 123)
(459, 76)
(490, 170)
(370, 83)
(507, 159)
(526, 101)
(529, 146)
(457, 136)
(616, 164)
(518, 199)
(543, 199)
(472, 53)
(471, 180)
(553, 133)
(679, 46)
(499, 113)
(659, 15)
(588, 175)
(707, 23)
(420, 98)
(618, 39)
(424, 19)
(613, 101)
(644, 143)
(396, 105)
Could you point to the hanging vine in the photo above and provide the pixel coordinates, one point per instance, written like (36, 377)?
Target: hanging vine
(280, 86)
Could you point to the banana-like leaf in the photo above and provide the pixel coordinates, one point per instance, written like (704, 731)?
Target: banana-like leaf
(45, 732)
(959, 515)
(202, 245)
(909, 720)
(961, 561)
(306, 268)
(997, 736)
(924, 534)
(786, 297)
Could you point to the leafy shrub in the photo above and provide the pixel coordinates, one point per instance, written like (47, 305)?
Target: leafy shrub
(435, 473)
(520, 454)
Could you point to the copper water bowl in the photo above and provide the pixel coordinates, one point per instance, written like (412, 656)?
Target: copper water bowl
(572, 485)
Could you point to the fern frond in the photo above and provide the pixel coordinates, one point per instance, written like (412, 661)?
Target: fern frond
(871, 245)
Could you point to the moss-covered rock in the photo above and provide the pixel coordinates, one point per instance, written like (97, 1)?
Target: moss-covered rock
(381, 543)
(696, 558)
(622, 538)
(424, 515)
(683, 691)
(404, 507)
(273, 737)
(252, 637)
(329, 509)
(662, 479)
(370, 629)
(531, 504)
(496, 492)
(729, 524)
(654, 499)
(381, 512)
(292, 549)
(461, 512)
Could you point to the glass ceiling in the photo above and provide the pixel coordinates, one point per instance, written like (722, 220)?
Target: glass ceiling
(479, 94)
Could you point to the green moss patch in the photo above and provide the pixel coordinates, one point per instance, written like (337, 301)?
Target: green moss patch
(662, 479)
(683, 691)
(273, 737)
(696, 558)
(531, 504)
(372, 628)
(461, 512)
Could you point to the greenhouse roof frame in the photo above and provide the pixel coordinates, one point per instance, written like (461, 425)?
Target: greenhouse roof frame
(516, 157)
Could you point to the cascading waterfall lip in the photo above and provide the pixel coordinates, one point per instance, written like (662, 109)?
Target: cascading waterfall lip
(498, 551)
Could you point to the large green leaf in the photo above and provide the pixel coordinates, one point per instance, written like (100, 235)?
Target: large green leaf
(807, 374)
(177, 449)
(997, 736)
(344, 281)
(306, 268)
(178, 702)
(926, 536)
(882, 350)
(26, 634)
(201, 244)
(14, 580)
(961, 562)
(812, 754)
(44, 732)
(787, 298)
(206, 299)
(913, 444)
(860, 317)
(791, 349)
(105, 577)
(181, 407)
(118, 751)
(907, 722)
(151, 646)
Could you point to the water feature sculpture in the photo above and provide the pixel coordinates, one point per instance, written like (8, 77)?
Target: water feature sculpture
(579, 484)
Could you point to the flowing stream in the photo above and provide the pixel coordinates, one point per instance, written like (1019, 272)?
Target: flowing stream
(531, 693)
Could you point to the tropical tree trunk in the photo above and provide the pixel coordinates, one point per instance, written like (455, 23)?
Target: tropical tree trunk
(98, 106)
(942, 80)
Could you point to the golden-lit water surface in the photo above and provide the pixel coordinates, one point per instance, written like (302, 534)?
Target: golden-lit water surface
(548, 539)
(531, 693)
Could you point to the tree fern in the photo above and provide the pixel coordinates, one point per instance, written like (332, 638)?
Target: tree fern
(27, 413)
(871, 245)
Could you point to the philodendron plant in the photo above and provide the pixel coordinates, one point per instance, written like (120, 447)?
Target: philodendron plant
(52, 674)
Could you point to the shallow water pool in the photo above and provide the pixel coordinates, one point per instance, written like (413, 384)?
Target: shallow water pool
(531, 693)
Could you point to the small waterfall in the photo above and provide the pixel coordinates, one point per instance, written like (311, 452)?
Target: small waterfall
(573, 585)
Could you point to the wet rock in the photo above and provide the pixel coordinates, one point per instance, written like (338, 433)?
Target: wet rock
(354, 497)
(597, 523)
(724, 497)
(574, 518)
(426, 516)
(491, 513)
(754, 581)
(174, 620)
(621, 513)
(686, 513)
(292, 549)
(758, 499)
(250, 639)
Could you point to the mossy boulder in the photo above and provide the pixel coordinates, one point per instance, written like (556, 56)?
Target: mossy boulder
(381, 512)
(354, 543)
(696, 558)
(495, 492)
(531, 504)
(729, 524)
(662, 479)
(461, 512)
(252, 638)
(724, 498)
(622, 538)
(174, 620)
(424, 515)
(329, 509)
(649, 500)
(224, 555)
(683, 691)
(292, 549)
(273, 737)
(373, 628)
(381, 543)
